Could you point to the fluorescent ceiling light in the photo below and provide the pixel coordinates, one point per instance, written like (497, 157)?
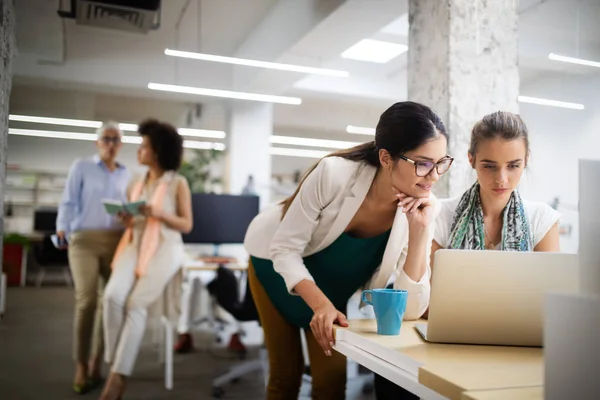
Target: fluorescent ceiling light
(573, 60)
(300, 141)
(190, 144)
(553, 103)
(53, 134)
(225, 93)
(361, 130)
(56, 121)
(193, 144)
(284, 151)
(203, 133)
(374, 51)
(256, 63)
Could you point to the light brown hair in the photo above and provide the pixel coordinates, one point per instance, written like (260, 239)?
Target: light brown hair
(499, 125)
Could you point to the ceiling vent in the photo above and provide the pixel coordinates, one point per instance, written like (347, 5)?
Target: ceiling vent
(128, 15)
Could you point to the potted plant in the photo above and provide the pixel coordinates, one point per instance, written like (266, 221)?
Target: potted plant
(197, 169)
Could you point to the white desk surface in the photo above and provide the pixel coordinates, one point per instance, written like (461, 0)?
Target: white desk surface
(448, 370)
(199, 265)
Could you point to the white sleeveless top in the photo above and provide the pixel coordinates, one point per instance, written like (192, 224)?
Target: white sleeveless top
(173, 180)
(541, 218)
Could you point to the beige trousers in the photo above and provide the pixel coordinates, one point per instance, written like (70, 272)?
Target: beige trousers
(90, 255)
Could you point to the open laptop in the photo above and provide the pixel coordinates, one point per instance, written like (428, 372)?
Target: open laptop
(494, 297)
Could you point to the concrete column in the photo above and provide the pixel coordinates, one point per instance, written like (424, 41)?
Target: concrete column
(463, 62)
(7, 50)
(248, 142)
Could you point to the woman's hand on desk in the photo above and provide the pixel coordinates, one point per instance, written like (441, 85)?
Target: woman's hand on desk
(322, 325)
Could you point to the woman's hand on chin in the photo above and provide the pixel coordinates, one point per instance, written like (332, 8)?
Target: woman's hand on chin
(418, 211)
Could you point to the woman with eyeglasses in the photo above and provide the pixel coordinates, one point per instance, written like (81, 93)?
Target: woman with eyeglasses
(360, 217)
(91, 236)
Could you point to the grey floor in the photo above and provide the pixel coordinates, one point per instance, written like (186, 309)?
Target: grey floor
(35, 357)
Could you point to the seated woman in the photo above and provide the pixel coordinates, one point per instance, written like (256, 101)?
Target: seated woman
(150, 252)
(491, 214)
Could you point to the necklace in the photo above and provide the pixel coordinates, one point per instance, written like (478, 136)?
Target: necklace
(490, 246)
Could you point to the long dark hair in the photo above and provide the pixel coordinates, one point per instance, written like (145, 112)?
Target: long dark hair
(402, 128)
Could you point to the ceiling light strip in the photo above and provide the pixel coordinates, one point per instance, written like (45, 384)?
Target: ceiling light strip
(374, 51)
(190, 144)
(256, 63)
(552, 103)
(310, 142)
(360, 130)
(225, 93)
(285, 151)
(203, 133)
(574, 60)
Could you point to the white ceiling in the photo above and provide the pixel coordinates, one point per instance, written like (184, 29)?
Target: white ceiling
(60, 53)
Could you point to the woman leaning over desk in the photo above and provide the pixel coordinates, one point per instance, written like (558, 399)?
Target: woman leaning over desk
(360, 217)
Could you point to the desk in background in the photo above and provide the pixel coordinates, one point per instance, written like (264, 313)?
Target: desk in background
(439, 371)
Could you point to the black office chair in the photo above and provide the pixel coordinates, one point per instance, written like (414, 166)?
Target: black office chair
(225, 289)
(47, 259)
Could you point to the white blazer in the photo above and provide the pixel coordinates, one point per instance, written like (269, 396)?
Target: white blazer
(326, 203)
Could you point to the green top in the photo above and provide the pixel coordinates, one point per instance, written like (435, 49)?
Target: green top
(338, 270)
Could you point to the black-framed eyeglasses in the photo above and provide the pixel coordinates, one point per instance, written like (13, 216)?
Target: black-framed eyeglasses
(111, 139)
(424, 168)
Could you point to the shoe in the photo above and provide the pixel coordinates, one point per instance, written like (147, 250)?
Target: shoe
(185, 344)
(81, 388)
(236, 345)
(95, 383)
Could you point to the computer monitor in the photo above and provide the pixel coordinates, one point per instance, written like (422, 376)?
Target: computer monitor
(221, 218)
(44, 220)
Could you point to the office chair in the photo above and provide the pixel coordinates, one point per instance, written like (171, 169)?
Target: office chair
(47, 258)
(225, 289)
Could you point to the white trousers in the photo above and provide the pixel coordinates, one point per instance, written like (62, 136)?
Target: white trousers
(126, 303)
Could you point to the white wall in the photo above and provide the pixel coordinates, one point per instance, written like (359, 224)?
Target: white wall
(559, 138)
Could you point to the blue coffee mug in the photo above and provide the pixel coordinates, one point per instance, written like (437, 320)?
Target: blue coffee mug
(389, 306)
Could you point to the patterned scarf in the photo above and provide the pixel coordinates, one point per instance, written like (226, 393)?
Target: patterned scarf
(467, 226)
(151, 235)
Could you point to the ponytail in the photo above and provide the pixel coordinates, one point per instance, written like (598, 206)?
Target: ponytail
(366, 152)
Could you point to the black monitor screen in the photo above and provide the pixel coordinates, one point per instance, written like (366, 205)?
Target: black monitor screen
(44, 220)
(221, 219)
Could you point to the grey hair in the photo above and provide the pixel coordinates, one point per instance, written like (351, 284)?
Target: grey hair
(109, 126)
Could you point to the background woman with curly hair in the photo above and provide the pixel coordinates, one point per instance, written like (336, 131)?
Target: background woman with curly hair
(150, 252)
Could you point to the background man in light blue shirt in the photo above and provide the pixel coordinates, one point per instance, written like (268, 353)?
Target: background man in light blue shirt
(91, 235)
